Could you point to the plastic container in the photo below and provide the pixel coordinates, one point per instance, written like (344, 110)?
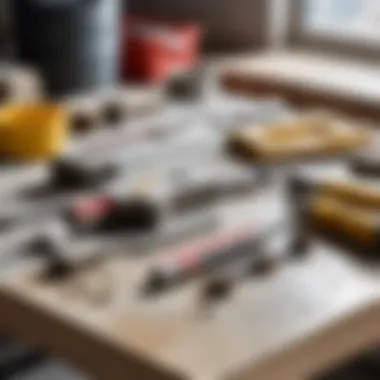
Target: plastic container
(32, 132)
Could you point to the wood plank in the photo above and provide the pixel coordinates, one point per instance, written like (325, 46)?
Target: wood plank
(307, 80)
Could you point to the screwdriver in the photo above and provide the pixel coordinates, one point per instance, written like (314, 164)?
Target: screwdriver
(220, 286)
(207, 254)
(275, 249)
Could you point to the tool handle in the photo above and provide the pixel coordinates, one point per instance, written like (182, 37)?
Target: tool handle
(340, 218)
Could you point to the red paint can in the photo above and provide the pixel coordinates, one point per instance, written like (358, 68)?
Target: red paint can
(154, 48)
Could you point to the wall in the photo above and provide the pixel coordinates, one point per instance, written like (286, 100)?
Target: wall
(3, 16)
(229, 23)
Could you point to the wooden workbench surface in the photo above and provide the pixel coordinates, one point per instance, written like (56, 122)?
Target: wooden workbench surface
(305, 316)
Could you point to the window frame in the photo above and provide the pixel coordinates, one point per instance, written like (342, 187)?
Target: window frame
(297, 37)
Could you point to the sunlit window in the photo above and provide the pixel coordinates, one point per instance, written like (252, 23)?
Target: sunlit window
(351, 19)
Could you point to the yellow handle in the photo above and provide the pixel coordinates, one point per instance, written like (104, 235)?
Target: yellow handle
(341, 218)
(352, 193)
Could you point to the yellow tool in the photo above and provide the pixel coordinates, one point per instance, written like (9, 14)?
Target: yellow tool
(358, 225)
(32, 131)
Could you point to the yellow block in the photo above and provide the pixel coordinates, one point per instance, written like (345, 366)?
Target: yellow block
(298, 140)
(32, 131)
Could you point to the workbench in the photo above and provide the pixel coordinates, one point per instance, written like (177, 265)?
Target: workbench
(308, 315)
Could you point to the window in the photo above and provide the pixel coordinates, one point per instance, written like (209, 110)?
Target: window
(351, 19)
(351, 25)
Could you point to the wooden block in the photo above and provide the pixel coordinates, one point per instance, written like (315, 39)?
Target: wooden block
(304, 136)
(342, 219)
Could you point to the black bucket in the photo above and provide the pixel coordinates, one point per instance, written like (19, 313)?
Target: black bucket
(74, 43)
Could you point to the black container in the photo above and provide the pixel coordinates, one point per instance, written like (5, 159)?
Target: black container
(74, 43)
